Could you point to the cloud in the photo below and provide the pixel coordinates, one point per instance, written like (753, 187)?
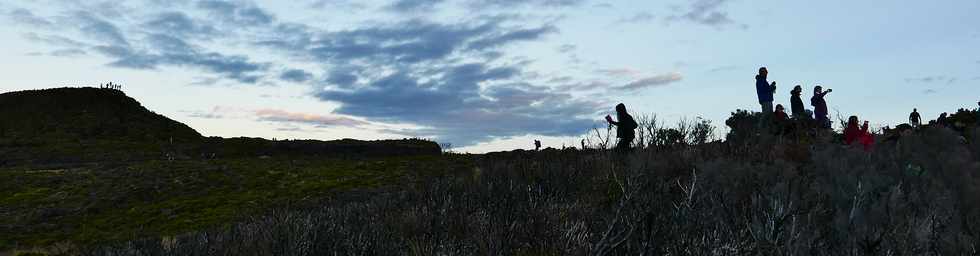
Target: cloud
(54, 40)
(67, 53)
(342, 76)
(413, 5)
(704, 12)
(566, 48)
(216, 112)
(296, 75)
(180, 24)
(237, 13)
(24, 16)
(167, 50)
(723, 69)
(338, 4)
(275, 115)
(639, 17)
(929, 91)
(653, 81)
(456, 109)
(483, 4)
(619, 72)
(512, 36)
(100, 29)
(932, 79)
(412, 41)
(602, 5)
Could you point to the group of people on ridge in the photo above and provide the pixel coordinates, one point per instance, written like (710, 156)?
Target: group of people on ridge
(765, 90)
(625, 124)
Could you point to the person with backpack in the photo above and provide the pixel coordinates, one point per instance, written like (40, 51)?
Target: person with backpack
(820, 106)
(764, 90)
(625, 127)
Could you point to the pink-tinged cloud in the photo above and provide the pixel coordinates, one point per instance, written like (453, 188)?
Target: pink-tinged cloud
(620, 72)
(653, 81)
(275, 115)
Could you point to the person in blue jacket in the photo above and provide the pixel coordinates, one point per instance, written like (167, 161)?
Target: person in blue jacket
(765, 90)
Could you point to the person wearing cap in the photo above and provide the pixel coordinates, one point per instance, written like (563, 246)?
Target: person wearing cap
(764, 90)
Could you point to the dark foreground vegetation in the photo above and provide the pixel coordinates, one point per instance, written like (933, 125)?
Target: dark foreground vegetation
(769, 189)
(913, 195)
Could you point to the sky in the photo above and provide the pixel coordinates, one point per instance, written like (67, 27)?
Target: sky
(489, 75)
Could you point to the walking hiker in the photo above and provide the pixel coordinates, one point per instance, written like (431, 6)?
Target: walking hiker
(765, 90)
(624, 127)
(820, 106)
(796, 104)
(915, 120)
(537, 145)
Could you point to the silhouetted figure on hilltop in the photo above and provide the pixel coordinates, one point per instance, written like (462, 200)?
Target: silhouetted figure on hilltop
(941, 121)
(854, 134)
(977, 112)
(780, 114)
(624, 127)
(820, 106)
(537, 145)
(796, 103)
(915, 120)
(765, 90)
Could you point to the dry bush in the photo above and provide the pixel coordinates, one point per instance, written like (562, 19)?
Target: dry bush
(771, 195)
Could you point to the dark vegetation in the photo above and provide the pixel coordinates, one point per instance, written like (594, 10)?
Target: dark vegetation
(68, 126)
(768, 189)
(91, 165)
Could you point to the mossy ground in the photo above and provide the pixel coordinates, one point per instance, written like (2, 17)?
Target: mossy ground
(110, 202)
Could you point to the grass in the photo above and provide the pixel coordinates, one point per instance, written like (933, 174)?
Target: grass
(97, 204)
(766, 195)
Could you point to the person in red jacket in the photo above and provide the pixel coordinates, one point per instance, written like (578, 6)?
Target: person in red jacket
(860, 135)
(780, 114)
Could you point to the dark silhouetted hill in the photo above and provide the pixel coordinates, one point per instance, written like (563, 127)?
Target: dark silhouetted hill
(84, 125)
(85, 114)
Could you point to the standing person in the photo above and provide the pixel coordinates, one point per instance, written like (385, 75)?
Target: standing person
(624, 127)
(796, 104)
(915, 120)
(941, 121)
(820, 106)
(765, 90)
